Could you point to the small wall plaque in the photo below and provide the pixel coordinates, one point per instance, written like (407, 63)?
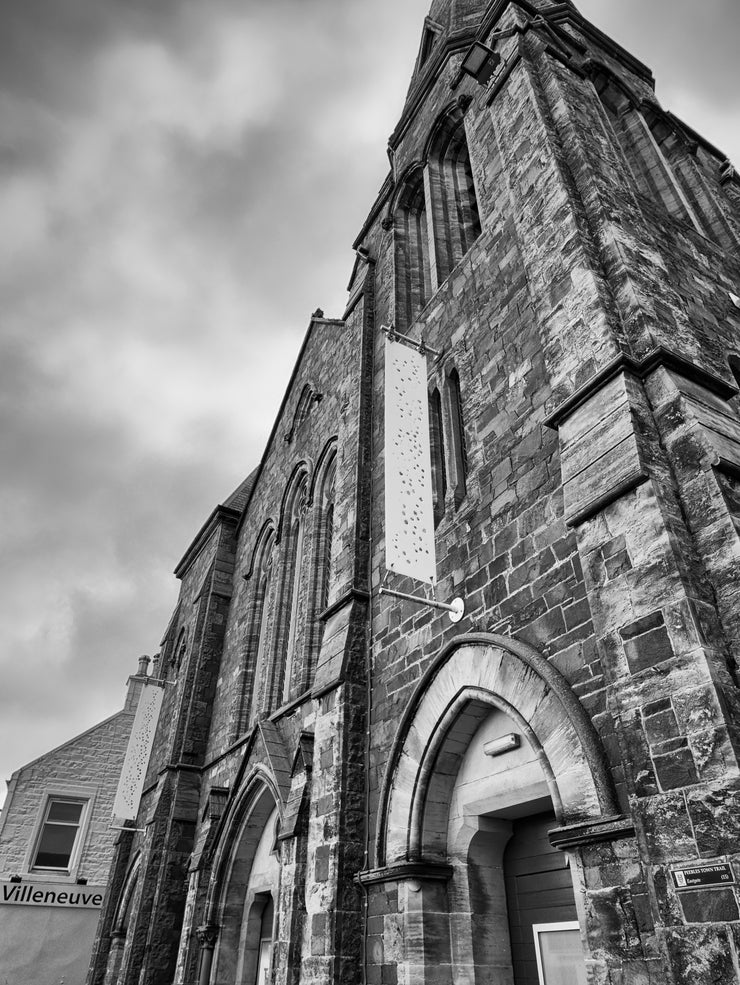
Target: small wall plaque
(703, 875)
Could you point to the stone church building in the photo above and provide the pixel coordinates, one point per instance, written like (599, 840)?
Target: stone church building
(346, 786)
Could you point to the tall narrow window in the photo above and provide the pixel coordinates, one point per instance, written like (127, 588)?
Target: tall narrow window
(689, 165)
(437, 450)
(59, 834)
(288, 630)
(454, 207)
(294, 562)
(457, 429)
(326, 534)
(651, 172)
(321, 568)
(411, 241)
(257, 637)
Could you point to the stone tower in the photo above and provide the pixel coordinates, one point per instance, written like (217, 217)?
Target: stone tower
(348, 788)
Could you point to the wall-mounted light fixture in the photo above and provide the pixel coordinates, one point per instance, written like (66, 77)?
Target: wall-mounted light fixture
(505, 743)
(480, 62)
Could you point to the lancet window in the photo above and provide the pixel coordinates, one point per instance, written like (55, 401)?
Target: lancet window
(323, 535)
(256, 643)
(413, 280)
(287, 630)
(652, 174)
(437, 454)
(454, 207)
(435, 218)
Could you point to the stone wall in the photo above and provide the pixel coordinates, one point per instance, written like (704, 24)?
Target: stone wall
(589, 523)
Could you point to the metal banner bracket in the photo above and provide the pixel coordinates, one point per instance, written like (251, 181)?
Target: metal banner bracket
(455, 609)
(419, 344)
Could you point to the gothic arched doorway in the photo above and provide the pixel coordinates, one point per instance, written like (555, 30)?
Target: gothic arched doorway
(494, 750)
(245, 912)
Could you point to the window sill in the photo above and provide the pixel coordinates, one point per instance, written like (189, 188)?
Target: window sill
(49, 875)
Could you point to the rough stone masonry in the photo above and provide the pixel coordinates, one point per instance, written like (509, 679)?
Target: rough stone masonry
(347, 787)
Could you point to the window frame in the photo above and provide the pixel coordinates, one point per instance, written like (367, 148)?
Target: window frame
(539, 929)
(77, 795)
(459, 448)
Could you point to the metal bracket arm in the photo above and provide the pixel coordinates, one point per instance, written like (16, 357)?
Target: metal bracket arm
(456, 608)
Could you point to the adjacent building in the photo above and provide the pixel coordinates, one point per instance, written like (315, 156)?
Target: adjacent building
(345, 785)
(56, 846)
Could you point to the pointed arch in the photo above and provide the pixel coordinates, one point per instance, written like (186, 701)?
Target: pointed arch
(120, 923)
(411, 247)
(308, 397)
(244, 878)
(652, 174)
(437, 454)
(255, 645)
(323, 497)
(458, 440)
(290, 617)
(473, 674)
(452, 199)
(301, 472)
(119, 931)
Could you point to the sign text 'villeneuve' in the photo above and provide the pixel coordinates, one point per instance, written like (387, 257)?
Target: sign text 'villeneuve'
(47, 894)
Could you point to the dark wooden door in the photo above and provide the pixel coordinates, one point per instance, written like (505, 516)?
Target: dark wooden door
(539, 889)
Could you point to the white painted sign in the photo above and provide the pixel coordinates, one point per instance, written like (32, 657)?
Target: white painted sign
(409, 514)
(51, 894)
(128, 795)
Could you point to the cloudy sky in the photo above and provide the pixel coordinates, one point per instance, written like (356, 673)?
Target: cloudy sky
(180, 185)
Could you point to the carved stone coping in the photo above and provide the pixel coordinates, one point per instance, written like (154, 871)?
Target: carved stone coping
(421, 870)
(592, 832)
(639, 368)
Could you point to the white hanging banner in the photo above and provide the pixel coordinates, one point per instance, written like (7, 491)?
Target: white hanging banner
(409, 513)
(128, 795)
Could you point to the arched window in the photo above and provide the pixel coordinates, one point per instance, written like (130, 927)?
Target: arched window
(287, 628)
(178, 654)
(325, 536)
(411, 241)
(323, 495)
(457, 434)
(454, 207)
(652, 174)
(256, 642)
(437, 454)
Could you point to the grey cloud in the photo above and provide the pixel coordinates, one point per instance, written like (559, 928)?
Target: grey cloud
(161, 269)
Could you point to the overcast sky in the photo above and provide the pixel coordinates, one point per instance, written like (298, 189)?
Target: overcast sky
(180, 185)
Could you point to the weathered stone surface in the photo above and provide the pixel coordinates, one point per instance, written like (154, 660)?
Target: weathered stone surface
(583, 407)
(718, 906)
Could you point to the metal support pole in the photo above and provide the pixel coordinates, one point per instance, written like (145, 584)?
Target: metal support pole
(455, 609)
